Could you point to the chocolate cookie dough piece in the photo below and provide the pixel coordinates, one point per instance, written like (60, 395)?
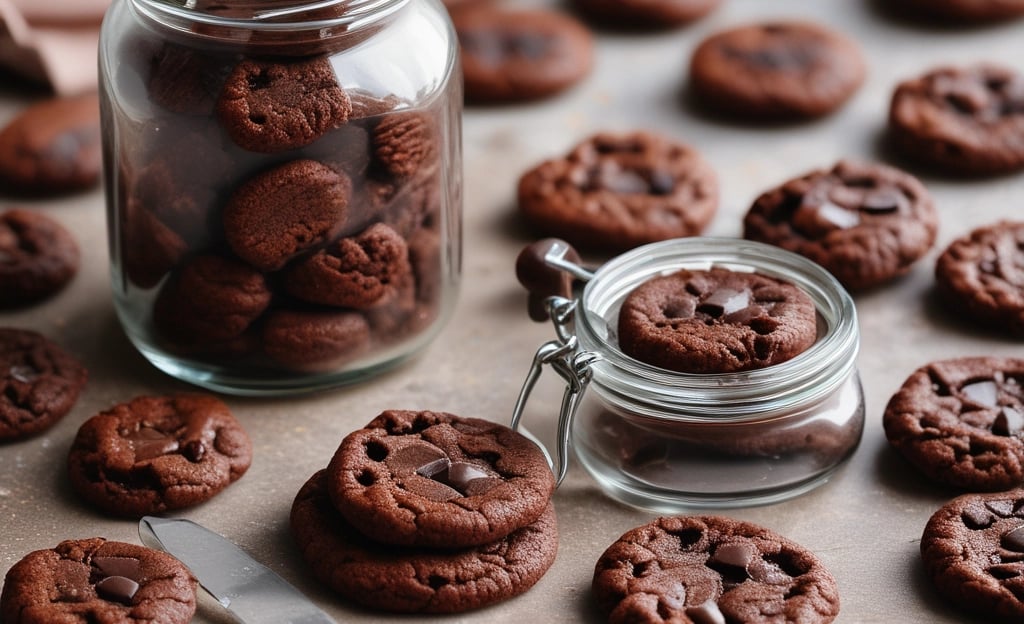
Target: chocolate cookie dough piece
(776, 71)
(716, 321)
(95, 580)
(435, 479)
(961, 120)
(39, 383)
(522, 54)
(982, 276)
(285, 211)
(313, 341)
(960, 11)
(712, 569)
(52, 147)
(354, 272)
(960, 421)
(155, 454)
(865, 223)
(645, 13)
(614, 192)
(269, 106)
(38, 257)
(414, 580)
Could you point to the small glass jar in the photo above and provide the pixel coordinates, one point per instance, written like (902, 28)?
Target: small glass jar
(667, 441)
(283, 183)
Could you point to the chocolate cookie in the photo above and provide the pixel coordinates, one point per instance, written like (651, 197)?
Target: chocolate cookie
(865, 223)
(38, 257)
(959, 11)
(645, 13)
(52, 147)
(972, 549)
(155, 454)
(404, 141)
(716, 321)
(776, 71)
(615, 192)
(314, 340)
(522, 54)
(960, 422)
(980, 275)
(285, 211)
(39, 383)
(417, 580)
(961, 120)
(712, 569)
(435, 479)
(271, 106)
(95, 580)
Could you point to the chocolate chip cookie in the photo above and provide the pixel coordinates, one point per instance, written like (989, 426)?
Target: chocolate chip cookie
(981, 276)
(645, 13)
(866, 223)
(973, 549)
(155, 454)
(716, 321)
(439, 480)
(39, 383)
(96, 580)
(960, 422)
(712, 569)
(314, 340)
(613, 192)
(776, 71)
(38, 257)
(961, 120)
(417, 580)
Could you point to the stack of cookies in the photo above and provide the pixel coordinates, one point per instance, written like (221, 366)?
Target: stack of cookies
(427, 512)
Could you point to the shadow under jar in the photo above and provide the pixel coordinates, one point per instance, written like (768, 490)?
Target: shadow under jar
(668, 441)
(283, 183)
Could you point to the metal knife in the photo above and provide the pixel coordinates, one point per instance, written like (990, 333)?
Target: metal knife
(252, 592)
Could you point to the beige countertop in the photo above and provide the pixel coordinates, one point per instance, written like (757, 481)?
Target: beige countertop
(865, 523)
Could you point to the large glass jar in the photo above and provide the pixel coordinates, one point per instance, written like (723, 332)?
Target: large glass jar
(283, 182)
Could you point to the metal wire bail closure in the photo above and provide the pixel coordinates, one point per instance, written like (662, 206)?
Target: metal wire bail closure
(572, 365)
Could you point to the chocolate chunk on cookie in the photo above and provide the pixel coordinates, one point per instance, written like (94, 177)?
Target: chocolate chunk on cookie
(96, 580)
(776, 71)
(614, 192)
(973, 551)
(38, 257)
(309, 340)
(435, 479)
(960, 422)
(52, 147)
(39, 383)
(285, 211)
(522, 54)
(981, 276)
(716, 321)
(711, 569)
(961, 120)
(155, 454)
(269, 106)
(415, 580)
(865, 223)
(645, 13)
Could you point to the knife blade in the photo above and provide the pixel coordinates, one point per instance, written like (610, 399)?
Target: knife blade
(252, 592)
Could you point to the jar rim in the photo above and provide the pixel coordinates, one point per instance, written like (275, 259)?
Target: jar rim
(350, 13)
(642, 388)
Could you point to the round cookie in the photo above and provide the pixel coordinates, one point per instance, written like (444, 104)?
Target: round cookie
(776, 71)
(95, 580)
(958, 11)
(155, 454)
(38, 257)
(961, 120)
(715, 321)
(645, 13)
(39, 383)
(960, 421)
(614, 192)
(438, 480)
(269, 106)
(404, 142)
(712, 569)
(972, 548)
(314, 340)
(412, 580)
(980, 275)
(520, 55)
(285, 211)
(865, 223)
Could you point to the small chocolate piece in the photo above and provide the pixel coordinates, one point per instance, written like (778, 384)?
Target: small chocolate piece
(38, 257)
(541, 279)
